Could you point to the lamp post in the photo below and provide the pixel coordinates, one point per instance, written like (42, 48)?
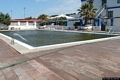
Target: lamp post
(24, 12)
(11, 14)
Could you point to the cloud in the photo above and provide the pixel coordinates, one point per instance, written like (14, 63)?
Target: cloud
(66, 6)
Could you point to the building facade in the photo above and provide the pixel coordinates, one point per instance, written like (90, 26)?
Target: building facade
(23, 24)
(108, 13)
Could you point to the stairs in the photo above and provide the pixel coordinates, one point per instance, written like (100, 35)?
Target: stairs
(100, 10)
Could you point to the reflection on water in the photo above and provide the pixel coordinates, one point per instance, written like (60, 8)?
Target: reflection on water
(40, 38)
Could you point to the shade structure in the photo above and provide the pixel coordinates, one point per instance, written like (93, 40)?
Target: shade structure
(62, 15)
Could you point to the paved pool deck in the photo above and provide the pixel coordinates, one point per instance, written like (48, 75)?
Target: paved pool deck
(91, 61)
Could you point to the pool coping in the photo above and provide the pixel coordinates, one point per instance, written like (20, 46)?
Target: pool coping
(25, 48)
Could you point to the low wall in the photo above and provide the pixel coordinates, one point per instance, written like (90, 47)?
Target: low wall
(114, 28)
(21, 27)
(97, 28)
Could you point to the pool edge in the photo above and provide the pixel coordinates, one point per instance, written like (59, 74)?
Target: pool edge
(25, 48)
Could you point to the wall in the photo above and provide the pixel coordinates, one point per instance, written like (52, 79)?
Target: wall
(116, 22)
(71, 25)
(21, 27)
(114, 28)
(97, 3)
(97, 28)
(116, 12)
(111, 3)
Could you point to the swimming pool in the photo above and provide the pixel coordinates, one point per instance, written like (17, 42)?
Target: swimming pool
(38, 38)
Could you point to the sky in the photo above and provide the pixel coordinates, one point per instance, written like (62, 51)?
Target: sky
(34, 8)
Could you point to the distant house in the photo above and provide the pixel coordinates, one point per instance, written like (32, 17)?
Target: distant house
(23, 24)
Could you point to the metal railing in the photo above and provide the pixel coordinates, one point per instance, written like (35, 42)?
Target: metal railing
(100, 10)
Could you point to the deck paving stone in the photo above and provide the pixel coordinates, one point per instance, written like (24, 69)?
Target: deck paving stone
(21, 58)
(2, 76)
(26, 66)
(25, 76)
(19, 71)
(45, 62)
(10, 74)
(85, 62)
(67, 76)
(43, 78)
(35, 74)
(52, 76)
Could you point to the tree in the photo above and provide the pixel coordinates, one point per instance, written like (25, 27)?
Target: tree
(53, 15)
(29, 17)
(87, 11)
(5, 19)
(62, 18)
(43, 17)
(70, 14)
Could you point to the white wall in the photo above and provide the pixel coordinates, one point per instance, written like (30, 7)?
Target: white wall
(71, 25)
(22, 27)
(111, 3)
(114, 28)
(97, 3)
(116, 12)
(116, 21)
(96, 28)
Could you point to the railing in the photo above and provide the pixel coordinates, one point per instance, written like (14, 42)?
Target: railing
(100, 10)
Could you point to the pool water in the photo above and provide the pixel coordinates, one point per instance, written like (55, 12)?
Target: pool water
(37, 38)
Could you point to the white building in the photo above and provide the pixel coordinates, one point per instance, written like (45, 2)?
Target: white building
(108, 13)
(23, 24)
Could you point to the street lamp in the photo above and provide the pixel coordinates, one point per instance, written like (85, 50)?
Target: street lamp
(11, 14)
(24, 12)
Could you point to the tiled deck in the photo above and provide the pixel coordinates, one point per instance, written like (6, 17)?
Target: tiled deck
(85, 62)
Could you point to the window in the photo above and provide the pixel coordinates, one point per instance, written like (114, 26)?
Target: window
(118, 1)
(110, 13)
(91, 3)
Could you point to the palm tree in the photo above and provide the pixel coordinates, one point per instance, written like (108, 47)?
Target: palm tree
(87, 11)
(43, 17)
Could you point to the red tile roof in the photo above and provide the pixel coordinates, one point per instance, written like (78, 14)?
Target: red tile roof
(25, 20)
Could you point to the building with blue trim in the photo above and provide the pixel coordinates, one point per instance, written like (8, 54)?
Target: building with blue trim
(107, 15)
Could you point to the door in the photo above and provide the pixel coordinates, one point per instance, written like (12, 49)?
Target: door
(104, 2)
(103, 27)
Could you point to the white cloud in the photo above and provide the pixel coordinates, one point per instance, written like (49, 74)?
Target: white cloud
(67, 6)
